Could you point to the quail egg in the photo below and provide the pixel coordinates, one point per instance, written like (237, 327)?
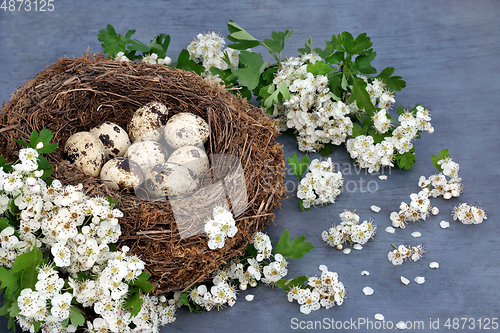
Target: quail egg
(113, 137)
(122, 173)
(170, 179)
(147, 154)
(147, 121)
(193, 158)
(186, 129)
(85, 152)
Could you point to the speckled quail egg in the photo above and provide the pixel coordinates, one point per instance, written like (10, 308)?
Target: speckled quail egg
(170, 179)
(147, 122)
(186, 129)
(85, 152)
(113, 137)
(147, 154)
(193, 158)
(122, 173)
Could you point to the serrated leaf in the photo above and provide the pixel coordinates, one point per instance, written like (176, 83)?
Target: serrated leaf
(278, 42)
(357, 130)
(362, 63)
(47, 148)
(319, 68)
(361, 96)
(192, 306)
(25, 260)
(443, 154)
(136, 45)
(47, 173)
(242, 40)
(183, 62)
(298, 168)
(377, 137)
(250, 74)
(145, 286)
(134, 302)
(295, 249)
(45, 136)
(282, 93)
(43, 163)
(327, 150)
(406, 160)
(7, 279)
(77, 316)
(335, 58)
(4, 310)
(394, 82)
(4, 223)
(335, 84)
(22, 142)
(307, 47)
(14, 309)
(286, 285)
(361, 43)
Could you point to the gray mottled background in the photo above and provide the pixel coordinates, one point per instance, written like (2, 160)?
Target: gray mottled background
(447, 51)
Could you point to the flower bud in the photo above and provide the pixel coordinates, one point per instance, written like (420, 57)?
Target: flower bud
(39, 145)
(435, 210)
(243, 286)
(447, 195)
(430, 130)
(403, 206)
(354, 154)
(253, 283)
(339, 247)
(455, 193)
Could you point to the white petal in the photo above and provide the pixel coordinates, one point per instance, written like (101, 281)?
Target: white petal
(379, 316)
(390, 230)
(382, 177)
(401, 325)
(323, 268)
(376, 209)
(347, 251)
(365, 273)
(368, 291)
(357, 246)
(444, 224)
(416, 234)
(405, 280)
(249, 297)
(434, 264)
(420, 279)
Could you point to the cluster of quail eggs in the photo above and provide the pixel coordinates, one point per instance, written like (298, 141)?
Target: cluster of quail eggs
(140, 156)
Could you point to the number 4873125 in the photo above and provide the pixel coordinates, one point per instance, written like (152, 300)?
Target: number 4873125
(27, 5)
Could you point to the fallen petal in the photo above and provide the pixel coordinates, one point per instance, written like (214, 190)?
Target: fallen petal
(390, 230)
(323, 268)
(368, 291)
(401, 325)
(379, 316)
(405, 280)
(376, 209)
(365, 273)
(434, 264)
(420, 279)
(444, 224)
(357, 246)
(249, 297)
(347, 251)
(382, 177)
(416, 234)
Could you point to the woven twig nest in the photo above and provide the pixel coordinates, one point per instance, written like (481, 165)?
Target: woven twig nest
(75, 93)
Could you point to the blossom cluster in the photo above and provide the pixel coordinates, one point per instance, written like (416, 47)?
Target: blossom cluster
(404, 253)
(350, 230)
(207, 49)
(74, 233)
(446, 183)
(321, 185)
(418, 209)
(149, 58)
(324, 291)
(469, 214)
(248, 272)
(374, 155)
(221, 226)
(311, 111)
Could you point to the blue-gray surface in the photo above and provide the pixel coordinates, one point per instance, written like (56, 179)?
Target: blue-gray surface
(447, 51)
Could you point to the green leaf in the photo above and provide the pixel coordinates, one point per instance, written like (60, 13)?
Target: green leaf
(250, 74)
(45, 136)
(29, 277)
(251, 251)
(27, 259)
(192, 307)
(135, 303)
(112, 43)
(242, 40)
(43, 163)
(145, 286)
(326, 150)
(335, 84)
(362, 63)
(406, 160)
(36, 326)
(335, 58)
(394, 82)
(136, 45)
(77, 316)
(47, 148)
(295, 249)
(357, 130)
(7, 279)
(24, 143)
(442, 155)
(298, 168)
(361, 96)
(286, 285)
(278, 42)
(183, 62)
(377, 137)
(308, 46)
(361, 43)
(4, 310)
(14, 309)
(4, 223)
(282, 93)
(319, 68)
